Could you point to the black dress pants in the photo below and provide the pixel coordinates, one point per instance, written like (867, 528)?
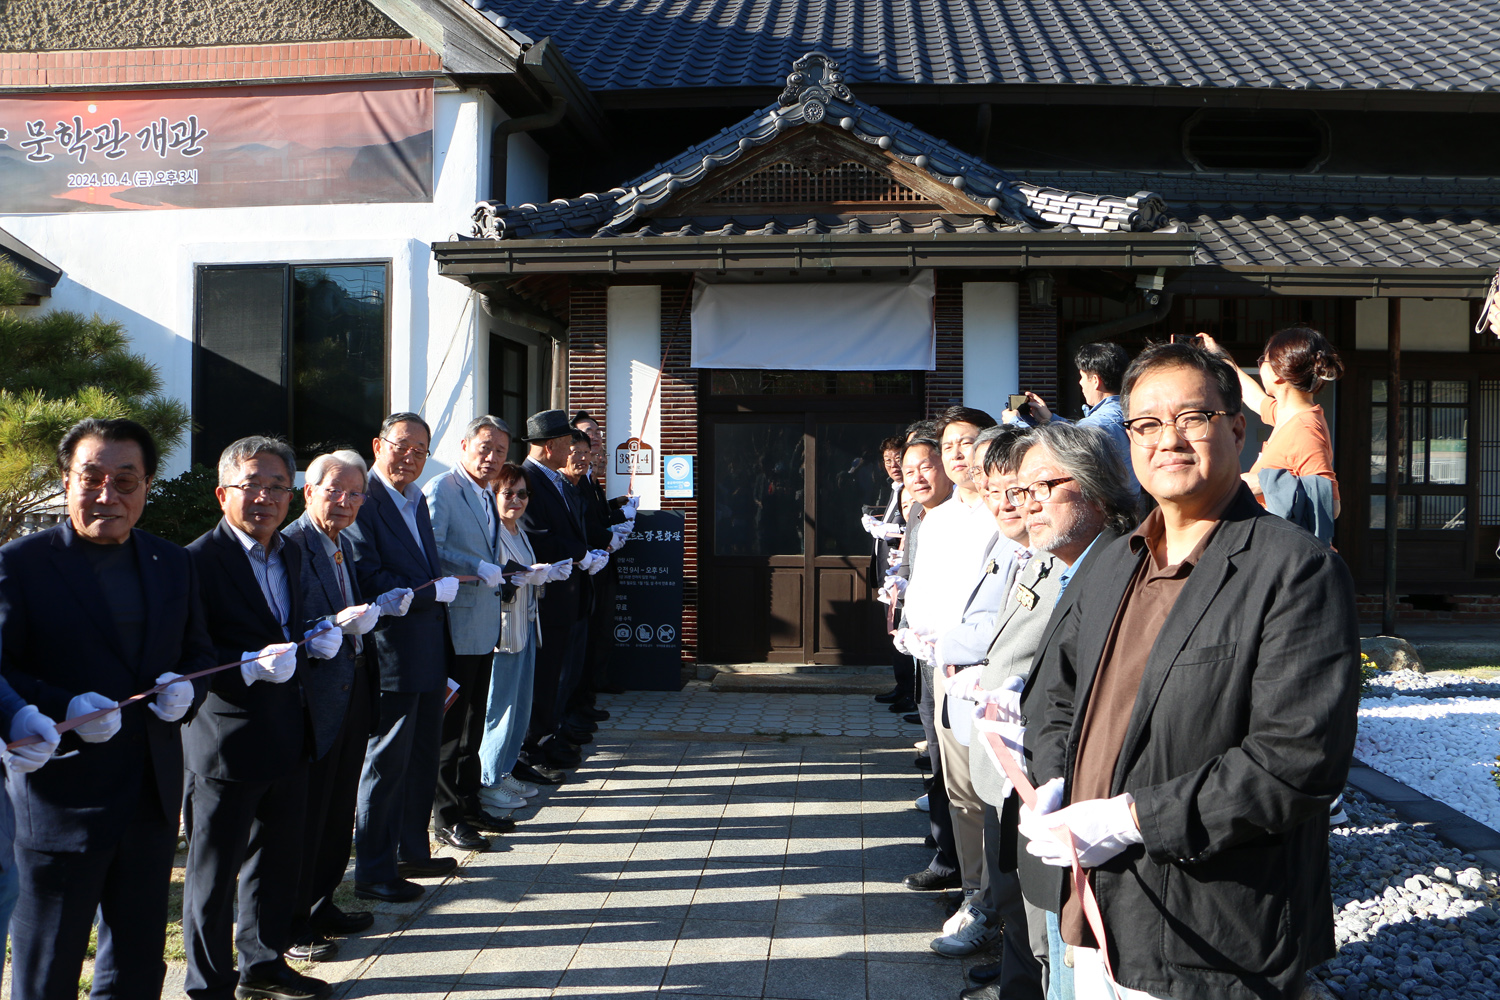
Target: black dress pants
(463, 730)
(939, 816)
(246, 835)
(332, 792)
(62, 890)
(905, 669)
(552, 657)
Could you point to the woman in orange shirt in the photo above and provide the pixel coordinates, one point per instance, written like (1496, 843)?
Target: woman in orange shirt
(1298, 362)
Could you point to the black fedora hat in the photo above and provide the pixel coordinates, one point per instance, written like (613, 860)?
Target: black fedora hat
(547, 425)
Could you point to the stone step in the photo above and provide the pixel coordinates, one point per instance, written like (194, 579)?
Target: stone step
(799, 683)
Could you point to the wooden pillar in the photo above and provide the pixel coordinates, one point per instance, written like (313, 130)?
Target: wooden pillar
(1392, 462)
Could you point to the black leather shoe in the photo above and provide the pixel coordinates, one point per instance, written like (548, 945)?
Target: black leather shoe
(577, 737)
(555, 754)
(913, 718)
(922, 763)
(594, 714)
(313, 948)
(894, 694)
(981, 975)
(399, 891)
(282, 983)
(431, 868)
(332, 920)
(904, 705)
(481, 820)
(539, 775)
(928, 880)
(462, 836)
(989, 991)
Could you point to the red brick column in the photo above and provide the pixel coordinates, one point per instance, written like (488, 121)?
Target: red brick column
(945, 384)
(1039, 360)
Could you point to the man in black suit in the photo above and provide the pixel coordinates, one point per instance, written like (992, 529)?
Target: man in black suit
(394, 548)
(246, 750)
(339, 691)
(1199, 716)
(554, 523)
(600, 517)
(91, 612)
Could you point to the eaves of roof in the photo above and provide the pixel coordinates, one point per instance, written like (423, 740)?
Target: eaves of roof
(40, 273)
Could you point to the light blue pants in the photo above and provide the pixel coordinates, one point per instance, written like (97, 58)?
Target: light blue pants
(1060, 982)
(508, 712)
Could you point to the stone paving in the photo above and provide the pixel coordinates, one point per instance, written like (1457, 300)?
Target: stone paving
(674, 865)
(697, 708)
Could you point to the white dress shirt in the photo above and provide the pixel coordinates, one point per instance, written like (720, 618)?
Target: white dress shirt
(955, 537)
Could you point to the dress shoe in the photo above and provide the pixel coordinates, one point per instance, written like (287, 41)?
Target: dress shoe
(399, 891)
(913, 718)
(462, 836)
(594, 714)
(431, 868)
(332, 920)
(904, 705)
(563, 755)
(480, 819)
(577, 737)
(894, 694)
(313, 948)
(989, 991)
(922, 763)
(535, 775)
(928, 880)
(982, 974)
(282, 982)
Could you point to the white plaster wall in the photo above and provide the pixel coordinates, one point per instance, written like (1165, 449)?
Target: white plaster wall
(992, 344)
(632, 361)
(138, 268)
(1426, 325)
(525, 171)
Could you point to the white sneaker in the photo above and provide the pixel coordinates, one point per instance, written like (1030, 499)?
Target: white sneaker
(961, 916)
(922, 803)
(525, 789)
(972, 936)
(500, 797)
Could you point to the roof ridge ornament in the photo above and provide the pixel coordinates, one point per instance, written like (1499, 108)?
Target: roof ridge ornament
(814, 88)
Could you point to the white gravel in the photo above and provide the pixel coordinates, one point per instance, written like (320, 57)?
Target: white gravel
(1444, 747)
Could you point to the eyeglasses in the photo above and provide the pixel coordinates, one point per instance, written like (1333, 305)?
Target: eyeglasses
(93, 481)
(515, 494)
(343, 496)
(277, 493)
(1191, 425)
(402, 451)
(1041, 492)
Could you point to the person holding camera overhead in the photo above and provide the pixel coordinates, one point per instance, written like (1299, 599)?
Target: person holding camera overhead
(1100, 369)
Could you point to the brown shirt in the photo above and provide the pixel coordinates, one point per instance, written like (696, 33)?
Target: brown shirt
(1138, 620)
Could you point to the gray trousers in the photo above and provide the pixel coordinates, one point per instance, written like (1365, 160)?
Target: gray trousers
(1023, 947)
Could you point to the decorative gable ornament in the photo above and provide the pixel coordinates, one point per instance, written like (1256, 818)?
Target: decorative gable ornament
(813, 82)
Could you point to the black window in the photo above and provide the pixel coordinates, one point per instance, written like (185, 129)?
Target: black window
(294, 350)
(508, 387)
(1255, 140)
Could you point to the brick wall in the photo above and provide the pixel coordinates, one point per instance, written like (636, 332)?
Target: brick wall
(1457, 608)
(587, 325)
(1038, 347)
(383, 57)
(945, 385)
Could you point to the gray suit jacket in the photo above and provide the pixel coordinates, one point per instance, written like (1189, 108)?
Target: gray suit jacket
(463, 542)
(1018, 635)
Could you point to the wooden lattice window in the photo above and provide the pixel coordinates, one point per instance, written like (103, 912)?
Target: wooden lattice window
(839, 184)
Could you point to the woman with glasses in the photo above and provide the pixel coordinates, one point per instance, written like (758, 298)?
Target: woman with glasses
(514, 662)
(1297, 364)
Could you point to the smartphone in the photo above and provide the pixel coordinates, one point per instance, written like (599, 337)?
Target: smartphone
(1020, 404)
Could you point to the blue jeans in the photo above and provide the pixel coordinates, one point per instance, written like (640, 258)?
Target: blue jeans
(508, 712)
(1060, 982)
(10, 891)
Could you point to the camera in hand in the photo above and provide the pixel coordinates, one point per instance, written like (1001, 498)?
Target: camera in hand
(1020, 404)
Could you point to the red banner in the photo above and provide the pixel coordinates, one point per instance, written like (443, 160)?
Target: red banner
(217, 147)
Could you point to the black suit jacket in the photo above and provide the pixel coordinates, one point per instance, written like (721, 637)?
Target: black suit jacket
(328, 683)
(556, 533)
(58, 640)
(246, 732)
(411, 652)
(1241, 735)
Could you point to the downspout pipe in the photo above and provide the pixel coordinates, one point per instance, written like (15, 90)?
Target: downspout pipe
(500, 141)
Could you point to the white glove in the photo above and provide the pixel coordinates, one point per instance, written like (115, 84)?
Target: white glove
(491, 574)
(100, 729)
(622, 535)
(870, 524)
(601, 559)
(357, 619)
(1101, 829)
(889, 531)
(632, 504)
(559, 571)
(1006, 698)
(274, 664)
(445, 589)
(964, 684)
(918, 646)
(894, 557)
(30, 721)
(173, 703)
(395, 602)
(324, 640)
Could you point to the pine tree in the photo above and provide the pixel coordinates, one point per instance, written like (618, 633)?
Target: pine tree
(59, 368)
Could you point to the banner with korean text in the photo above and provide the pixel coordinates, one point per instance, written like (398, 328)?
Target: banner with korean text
(217, 147)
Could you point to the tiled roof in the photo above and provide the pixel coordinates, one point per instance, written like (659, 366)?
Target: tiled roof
(816, 96)
(1403, 45)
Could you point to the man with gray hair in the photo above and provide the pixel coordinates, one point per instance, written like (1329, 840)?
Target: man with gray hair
(340, 693)
(245, 751)
(464, 520)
